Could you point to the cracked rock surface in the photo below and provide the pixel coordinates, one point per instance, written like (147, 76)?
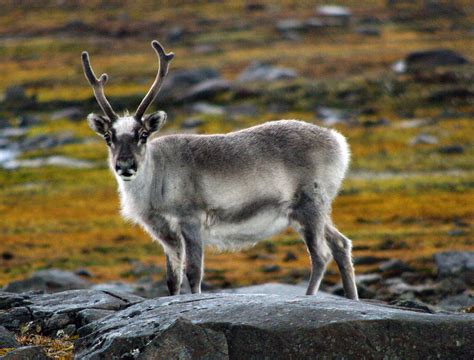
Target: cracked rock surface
(239, 326)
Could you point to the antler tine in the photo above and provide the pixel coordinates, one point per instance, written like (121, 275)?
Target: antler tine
(164, 60)
(98, 87)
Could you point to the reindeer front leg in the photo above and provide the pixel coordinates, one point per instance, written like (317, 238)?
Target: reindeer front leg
(194, 255)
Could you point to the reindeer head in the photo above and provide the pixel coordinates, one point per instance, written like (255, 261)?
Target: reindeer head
(126, 136)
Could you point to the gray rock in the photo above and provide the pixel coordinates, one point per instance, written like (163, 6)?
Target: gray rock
(368, 279)
(422, 60)
(187, 341)
(456, 264)
(53, 312)
(7, 339)
(331, 116)
(368, 30)
(272, 289)
(26, 352)
(457, 302)
(46, 141)
(290, 25)
(116, 286)
(49, 281)
(368, 260)
(242, 110)
(334, 15)
(192, 123)
(26, 120)
(71, 113)
(424, 139)
(205, 90)
(179, 81)
(415, 304)
(245, 326)
(207, 109)
(87, 316)
(451, 149)
(394, 267)
(16, 95)
(61, 161)
(175, 34)
(262, 72)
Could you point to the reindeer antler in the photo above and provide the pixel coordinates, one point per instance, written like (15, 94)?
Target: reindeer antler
(164, 60)
(98, 87)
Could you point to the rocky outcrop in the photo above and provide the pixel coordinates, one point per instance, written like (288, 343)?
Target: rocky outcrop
(243, 324)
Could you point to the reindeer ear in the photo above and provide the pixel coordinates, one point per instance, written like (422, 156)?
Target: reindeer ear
(99, 123)
(154, 122)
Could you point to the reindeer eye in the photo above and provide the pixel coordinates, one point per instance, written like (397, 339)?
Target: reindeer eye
(143, 136)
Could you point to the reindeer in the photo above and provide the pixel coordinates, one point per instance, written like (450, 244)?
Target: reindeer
(226, 190)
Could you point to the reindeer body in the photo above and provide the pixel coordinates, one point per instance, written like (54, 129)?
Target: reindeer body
(240, 187)
(228, 191)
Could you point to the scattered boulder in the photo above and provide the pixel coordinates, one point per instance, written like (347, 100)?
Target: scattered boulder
(368, 279)
(289, 25)
(334, 15)
(192, 123)
(46, 141)
(422, 60)
(455, 264)
(270, 268)
(87, 316)
(451, 149)
(175, 34)
(451, 95)
(204, 108)
(7, 339)
(368, 30)
(375, 123)
(27, 120)
(71, 113)
(459, 302)
(424, 139)
(330, 116)
(49, 281)
(179, 81)
(274, 326)
(27, 352)
(205, 90)
(415, 305)
(62, 161)
(394, 267)
(263, 72)
(15, 97)
(368, 260)
(49, 313)
(242, 110)
(290, 256)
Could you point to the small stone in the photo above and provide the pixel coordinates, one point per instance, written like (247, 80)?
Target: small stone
(394, 267)
(424, 139)
(270, 268)
(262, 72)
(206, 90)
(207, 109)
(192, 123)
(290, 256)
(7, 339)
(451, 149)
(26, 352)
